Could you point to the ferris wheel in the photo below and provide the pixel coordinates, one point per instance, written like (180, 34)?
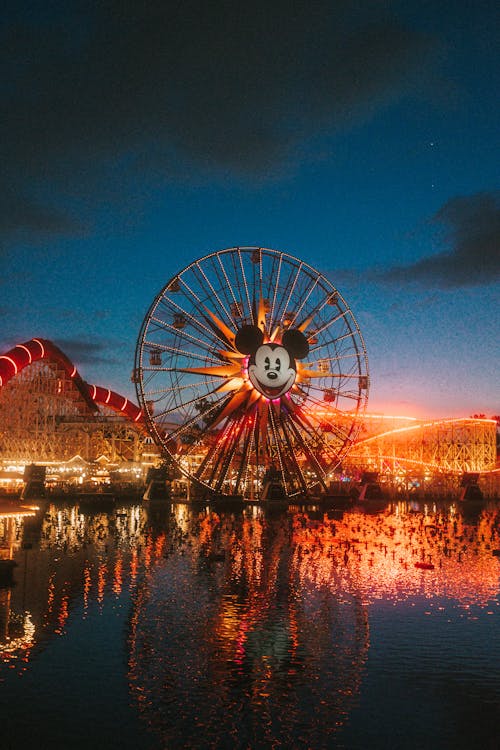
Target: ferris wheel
(249, 365)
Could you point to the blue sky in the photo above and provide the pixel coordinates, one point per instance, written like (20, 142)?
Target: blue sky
(361, 137)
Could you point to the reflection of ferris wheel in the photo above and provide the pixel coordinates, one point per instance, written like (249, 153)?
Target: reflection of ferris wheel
(249, 364)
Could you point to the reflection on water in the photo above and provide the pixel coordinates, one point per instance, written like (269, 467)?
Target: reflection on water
(233, 647)
(256, 629)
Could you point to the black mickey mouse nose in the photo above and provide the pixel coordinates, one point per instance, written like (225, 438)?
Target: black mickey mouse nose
(272, 375)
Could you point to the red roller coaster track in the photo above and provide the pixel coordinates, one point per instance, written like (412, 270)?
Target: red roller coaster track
(22, 355)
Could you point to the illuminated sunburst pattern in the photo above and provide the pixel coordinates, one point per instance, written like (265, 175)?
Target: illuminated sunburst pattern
(234, 357)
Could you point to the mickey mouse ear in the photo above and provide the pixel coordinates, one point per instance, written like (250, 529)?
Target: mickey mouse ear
(248, 339)
(296, 343)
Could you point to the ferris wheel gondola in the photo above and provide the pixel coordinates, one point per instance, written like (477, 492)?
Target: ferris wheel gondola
(249, 363)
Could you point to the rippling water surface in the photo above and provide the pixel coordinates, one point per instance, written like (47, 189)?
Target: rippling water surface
(175, 626)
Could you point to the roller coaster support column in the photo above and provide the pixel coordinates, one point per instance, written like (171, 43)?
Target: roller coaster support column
(34, 482)
(470, 487)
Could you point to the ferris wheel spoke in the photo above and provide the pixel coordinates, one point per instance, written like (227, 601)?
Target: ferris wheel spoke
(328, 449)
(333, 342)
(234, 446)
(323, 302)
(177, 388)
(289, 458)
(205, 344)
(186, 316)
(352, 395)
(220, 327)
(292, 288)
(167, 348)
(317, 374)
(191, 294)
(218, 440)
(228, 285)
(215, 294)
(185, 404)
(198, 356)
(287, 276)
(244, 462)
(229, 409)
(277, 448)
(291, 453)
(298, 417)
(304, 425)
(276, 287)
(322, 361)
(331, 322)
(155, 370)
(332, 393)
(316, 403)
(149, 376)
(318, 469)
(245, 284)
(229, 438)
(191, 421)
(305, 300)
(261, 274)
(212, 451)
(237, 285)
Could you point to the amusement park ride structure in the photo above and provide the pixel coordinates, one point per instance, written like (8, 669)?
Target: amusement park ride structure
(49, 414)
(249, 366)
(239, 351)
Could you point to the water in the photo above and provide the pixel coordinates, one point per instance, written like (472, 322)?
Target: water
(173, 626)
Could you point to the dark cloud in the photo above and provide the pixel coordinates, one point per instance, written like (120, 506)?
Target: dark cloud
(21, 213)
(213, 86)
(469, 227)
(83, 352)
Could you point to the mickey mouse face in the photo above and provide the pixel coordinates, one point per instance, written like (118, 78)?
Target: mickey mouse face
(271, 367)
(271, 370)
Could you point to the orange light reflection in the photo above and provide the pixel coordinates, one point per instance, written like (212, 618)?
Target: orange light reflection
(380, 556)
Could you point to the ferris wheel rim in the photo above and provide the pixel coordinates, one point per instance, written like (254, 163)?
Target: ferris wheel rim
(354, 333)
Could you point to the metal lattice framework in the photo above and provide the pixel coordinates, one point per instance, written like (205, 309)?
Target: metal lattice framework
(440, 446)
(49, 414)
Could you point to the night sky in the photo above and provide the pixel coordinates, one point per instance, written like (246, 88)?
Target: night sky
(361, 137)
